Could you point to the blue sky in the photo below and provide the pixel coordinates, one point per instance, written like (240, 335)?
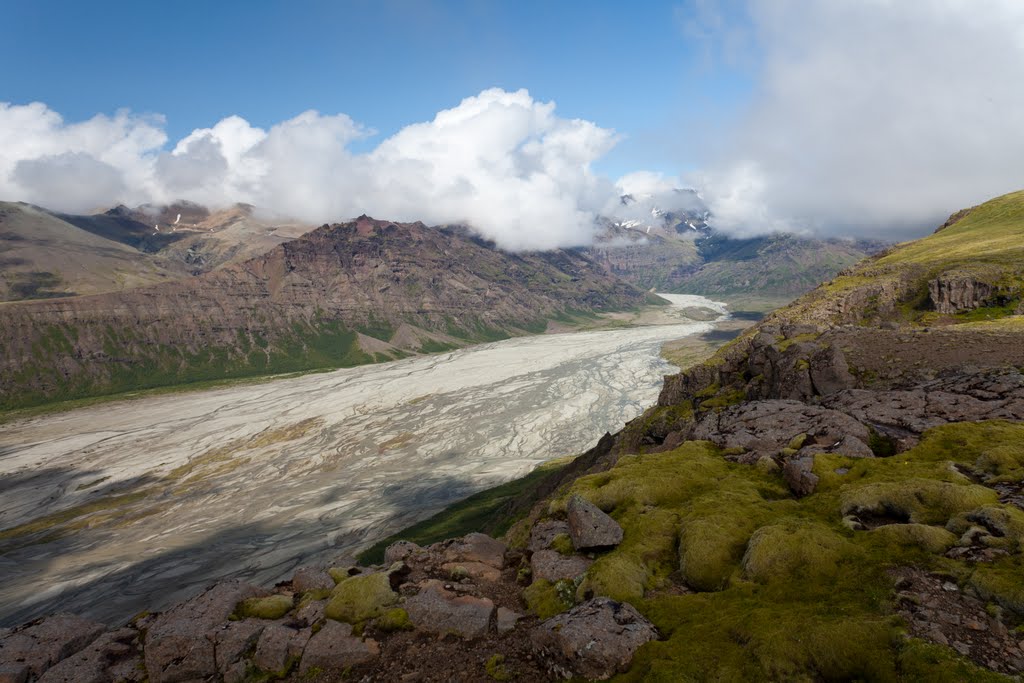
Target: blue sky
(838, 117)
(631, 67)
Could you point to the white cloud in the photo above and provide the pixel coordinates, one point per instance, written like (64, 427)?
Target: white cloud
(878, 116)
(500, 161)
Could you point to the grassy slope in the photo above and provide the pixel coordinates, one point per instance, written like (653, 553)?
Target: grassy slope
(987, 243)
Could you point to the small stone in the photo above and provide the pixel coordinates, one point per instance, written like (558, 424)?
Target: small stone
(949, 586)
(938, 636)
(962, 648)
(506, 619)
(399, 551)
(975, 625)
(799, 475)
(590, 528)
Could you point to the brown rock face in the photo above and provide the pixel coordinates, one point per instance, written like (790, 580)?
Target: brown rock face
(177, 644)
(594, 640)
(590, 528)
(957, 292)
(31, 650)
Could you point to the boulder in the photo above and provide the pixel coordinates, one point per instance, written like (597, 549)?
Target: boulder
(590, 528)
(506, 619)
(310, 612)
(176, 645)
(114, 656)
(553, 565)
(360, 598)
(306, 579)
(279, 646)
(437, 610)
(399, 551)
(13, 673)
(543, 534)
(334, 649)
(476, 547)
(41, 644)
(594, 640)
(233, 641)
(798, 475)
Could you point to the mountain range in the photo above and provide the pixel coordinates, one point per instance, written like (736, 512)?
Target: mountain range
(340, 295)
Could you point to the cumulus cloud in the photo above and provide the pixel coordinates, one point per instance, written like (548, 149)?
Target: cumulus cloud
(500, 162)
(872, 117)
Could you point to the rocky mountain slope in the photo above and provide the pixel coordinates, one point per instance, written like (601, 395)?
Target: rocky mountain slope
(46, 255)
(42, 256)
(679, 251)
(341, 295)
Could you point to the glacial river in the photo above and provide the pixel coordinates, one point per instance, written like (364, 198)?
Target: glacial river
(166, 494)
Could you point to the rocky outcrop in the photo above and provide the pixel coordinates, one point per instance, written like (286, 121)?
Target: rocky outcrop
(955, 292)
(31, 650)
(594, 640)
(177, 643)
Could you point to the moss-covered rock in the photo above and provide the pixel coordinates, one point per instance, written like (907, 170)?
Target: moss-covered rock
(546, 599)
(932, 539)
(563, 544)
(1003, 525)
(918, 500)
(269, 607)
(794, 548)
(394, 619)
(360, 598)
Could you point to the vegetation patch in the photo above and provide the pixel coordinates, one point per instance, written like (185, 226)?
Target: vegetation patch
(270, 607)
(785, 590)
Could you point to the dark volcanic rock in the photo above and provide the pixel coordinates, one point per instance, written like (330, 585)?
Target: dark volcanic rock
(543, 534)
(590, 528)
(594, 640)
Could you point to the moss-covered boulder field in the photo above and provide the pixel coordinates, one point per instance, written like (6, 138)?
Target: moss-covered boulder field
(836, 495)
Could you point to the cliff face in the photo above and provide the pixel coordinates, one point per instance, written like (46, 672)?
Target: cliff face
(344, 294)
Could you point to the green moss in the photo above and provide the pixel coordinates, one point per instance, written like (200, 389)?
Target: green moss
(784, 345)
(724, 399)
(794, 549)
(392, 620)
(546, 599)
(921, 661)
(270, 607)
(931, 539)
(918, 500)
(1001, 582)
(359, 598)
(496, 668)
(563, 544)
